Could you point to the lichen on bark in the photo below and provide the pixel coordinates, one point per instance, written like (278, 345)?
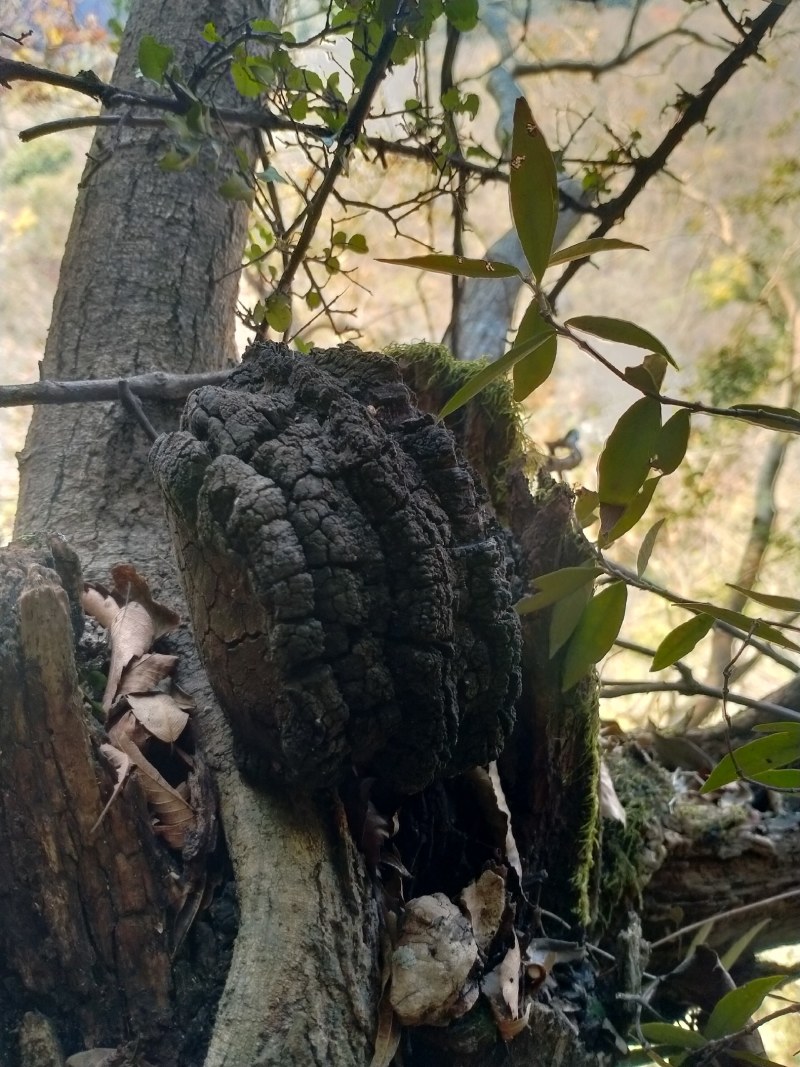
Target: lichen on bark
(346, 578)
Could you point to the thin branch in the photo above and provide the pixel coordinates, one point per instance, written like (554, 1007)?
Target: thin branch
(156, 385)
(693, 114)
(624, 56)
(610, 690)
(348, 136)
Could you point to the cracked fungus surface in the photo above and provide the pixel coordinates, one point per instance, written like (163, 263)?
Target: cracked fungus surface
(346, 581)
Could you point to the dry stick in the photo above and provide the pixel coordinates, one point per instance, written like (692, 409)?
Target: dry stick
(156, 385)
(611, 689)
(692, 115)
(730, 914)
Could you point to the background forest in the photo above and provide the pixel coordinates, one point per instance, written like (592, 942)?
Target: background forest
(719, 285)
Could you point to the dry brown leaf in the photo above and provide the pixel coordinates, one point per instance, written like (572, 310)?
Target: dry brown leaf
(501, 987)
(492, 799)
(132, 588)
(99, 603)
(610, 806)
(433, 963)
(123, 766)
(387, 1037)
(175, 817)
(160, 715)
(181, 697)
(126, 724)
(485, 902)
(143, 674)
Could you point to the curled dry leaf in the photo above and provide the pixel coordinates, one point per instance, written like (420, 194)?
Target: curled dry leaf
(501, 987)
(484, 902)
(160, 715)
(175, 816)
(122, 766)
(133, 619)
(125, 724)
(387, 1037)
(610, 805)
(144, 673)
(432, 964)
(492, 799)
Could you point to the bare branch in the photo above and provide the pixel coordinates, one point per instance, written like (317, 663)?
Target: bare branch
(154, 386)
(611, 689)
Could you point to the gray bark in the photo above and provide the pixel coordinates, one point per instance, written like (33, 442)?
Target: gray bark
(149, 282)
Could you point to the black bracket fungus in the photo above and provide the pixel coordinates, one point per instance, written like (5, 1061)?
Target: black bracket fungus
(346, 580)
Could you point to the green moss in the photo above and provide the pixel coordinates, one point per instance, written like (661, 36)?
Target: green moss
(488, 428)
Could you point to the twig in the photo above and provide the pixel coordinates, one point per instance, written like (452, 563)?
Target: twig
(693, 114)
(133, 404)
(611, 689)
(156, 385)
(729, 914)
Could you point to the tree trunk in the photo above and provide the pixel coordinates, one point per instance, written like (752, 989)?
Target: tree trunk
(149, 281)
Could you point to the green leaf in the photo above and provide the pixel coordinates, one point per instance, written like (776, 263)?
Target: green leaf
(236, 188)
(754, 759)
(736, 1008)
(647, 546)
(622, 331)
(752, 1058)
(313, 299)
(673, 1035)
(533, 370)
(786, 419)
(586, 501)
(246, 84)
(555, 585)
(779, 779)
(744, 622)
(672, 442)
(781, 603)
(616, 520)
(588, 248)
(490, 373)
(625, 461)
(533, 190)
(680, 641)
(462, 13)
(210, 33)
(278, 312)
(270, 174)
(358, 244)
(566, 616)
(741, 943)
(458, 266)
(264, 26)
(154, 58)
(595, 633)
(298, 109)
(777, 727)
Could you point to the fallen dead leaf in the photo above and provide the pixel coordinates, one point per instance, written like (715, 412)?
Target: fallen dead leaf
(485, 902)
(492, 799)
(122, 766)
(610, 806)
(175, 816)
(160, 715)
(387, 1038)
(144, 673)
(501, 987)
(99, 603)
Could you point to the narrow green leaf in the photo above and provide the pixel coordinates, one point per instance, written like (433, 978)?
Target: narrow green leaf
(741, 943)
(778, 727)
(673, 1035)
(458, 266)
(588, 248)
(595, 633)
(533, 370)
(555, 585)
(489, 374)
(625, 460)
(753, 1058)
(736, 1008)
(236, 188)
(615, 522)
(672, 442)
(533, 189)
(786, 419)
(744, 622)
(566, 616)
(154, 58)
(781, 603)
(754, 759)
(680, 641)
(622, 331)
(647, 546)
(778, 779)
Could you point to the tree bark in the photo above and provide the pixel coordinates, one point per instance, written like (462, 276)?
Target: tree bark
(149, 282)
